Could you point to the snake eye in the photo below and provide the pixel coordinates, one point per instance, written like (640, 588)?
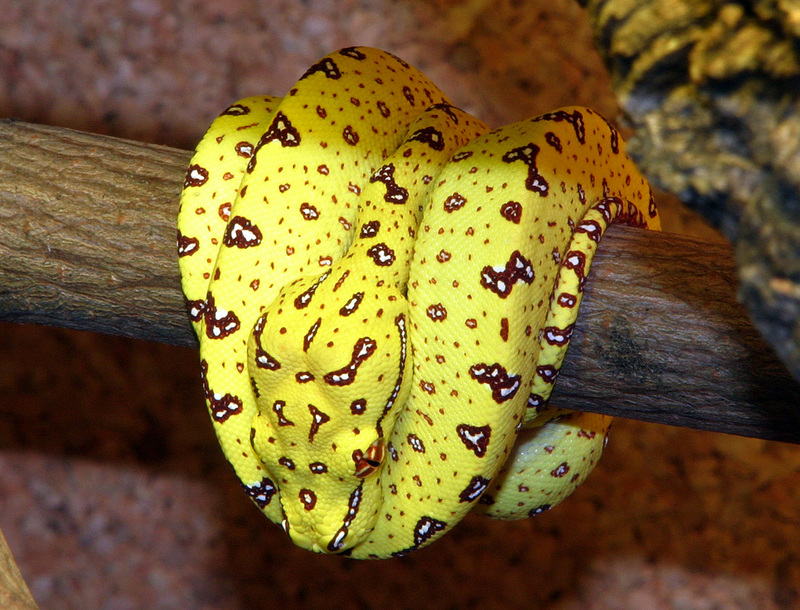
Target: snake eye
(369, 462)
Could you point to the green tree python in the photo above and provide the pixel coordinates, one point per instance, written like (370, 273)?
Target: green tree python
(384, 290)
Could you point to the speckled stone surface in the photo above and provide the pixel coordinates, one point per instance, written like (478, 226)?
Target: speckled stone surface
(712, 89)
(113, 492)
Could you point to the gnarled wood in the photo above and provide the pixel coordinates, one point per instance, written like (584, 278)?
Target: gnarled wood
(87, 240)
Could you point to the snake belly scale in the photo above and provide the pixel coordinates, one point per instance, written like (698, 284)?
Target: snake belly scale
(384, 291)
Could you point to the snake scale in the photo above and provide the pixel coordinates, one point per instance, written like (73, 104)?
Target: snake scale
(384, 290)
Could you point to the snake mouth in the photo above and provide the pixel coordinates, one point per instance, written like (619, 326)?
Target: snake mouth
(337, 543)
(317, 536)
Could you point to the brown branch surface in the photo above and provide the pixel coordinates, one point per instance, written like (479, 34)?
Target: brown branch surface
(87, 240)
(87, 233)
(14, 593)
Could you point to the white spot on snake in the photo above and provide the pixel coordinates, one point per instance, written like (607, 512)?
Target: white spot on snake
(416, 443)
(474, 438)
(505, 392)
(339, 538)
(265, 361)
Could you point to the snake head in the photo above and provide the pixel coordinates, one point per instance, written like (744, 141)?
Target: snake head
(328, 391)
(330, 502)
(330, 487)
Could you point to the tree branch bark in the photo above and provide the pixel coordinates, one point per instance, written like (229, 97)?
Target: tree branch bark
(14, 593)
(87, 240)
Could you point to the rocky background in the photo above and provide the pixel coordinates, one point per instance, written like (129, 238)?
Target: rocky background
(712, 89)
(113, 492)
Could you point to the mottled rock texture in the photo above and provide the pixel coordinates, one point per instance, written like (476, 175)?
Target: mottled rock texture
(713, 91)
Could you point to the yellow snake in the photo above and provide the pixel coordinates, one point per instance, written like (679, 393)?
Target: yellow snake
(384, 290)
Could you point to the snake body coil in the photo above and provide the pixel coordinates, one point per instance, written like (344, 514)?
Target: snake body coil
(384, 291)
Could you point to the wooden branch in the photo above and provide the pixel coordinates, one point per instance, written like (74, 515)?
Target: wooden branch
(87, 232)
(14, 593)
(87, 240)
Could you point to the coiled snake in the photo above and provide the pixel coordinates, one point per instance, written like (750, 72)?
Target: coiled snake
(384, 290)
